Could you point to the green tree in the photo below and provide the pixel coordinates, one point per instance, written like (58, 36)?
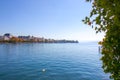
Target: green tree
(105, 17)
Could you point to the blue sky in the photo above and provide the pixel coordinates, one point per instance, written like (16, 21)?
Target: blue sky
(58, 19)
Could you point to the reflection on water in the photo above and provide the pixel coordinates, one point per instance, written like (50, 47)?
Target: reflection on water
(34, 61)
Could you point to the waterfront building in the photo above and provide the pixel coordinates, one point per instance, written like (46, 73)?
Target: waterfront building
(41, 39)
(1, 38)
(7, 36)
(25, 38)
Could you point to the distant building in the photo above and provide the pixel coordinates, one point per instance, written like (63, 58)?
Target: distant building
(41, 39)
(1, 38)
(26, 38)
(7, 36)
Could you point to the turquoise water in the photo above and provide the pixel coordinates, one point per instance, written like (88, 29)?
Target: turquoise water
(26, 61)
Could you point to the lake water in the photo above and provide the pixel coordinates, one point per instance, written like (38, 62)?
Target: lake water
(64, 61)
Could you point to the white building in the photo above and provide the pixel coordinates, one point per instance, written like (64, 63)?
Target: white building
(7, 36)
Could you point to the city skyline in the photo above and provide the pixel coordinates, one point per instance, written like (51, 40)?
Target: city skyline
(47, 18)
(10, 38)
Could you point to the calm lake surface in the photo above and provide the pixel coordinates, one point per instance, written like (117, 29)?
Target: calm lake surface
(65, 61)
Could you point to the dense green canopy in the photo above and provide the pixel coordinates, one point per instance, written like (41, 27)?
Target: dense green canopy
(105, 16)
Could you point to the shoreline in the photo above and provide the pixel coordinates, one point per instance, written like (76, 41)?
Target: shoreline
(33, 42)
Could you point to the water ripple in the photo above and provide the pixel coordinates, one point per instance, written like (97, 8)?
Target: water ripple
(60, 61)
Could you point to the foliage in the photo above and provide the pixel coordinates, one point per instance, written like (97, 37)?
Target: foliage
(15, 39)
(105, 17)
